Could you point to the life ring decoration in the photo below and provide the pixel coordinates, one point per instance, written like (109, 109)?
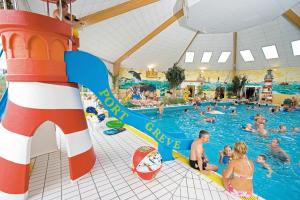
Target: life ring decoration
(146, 162)
(114, 124)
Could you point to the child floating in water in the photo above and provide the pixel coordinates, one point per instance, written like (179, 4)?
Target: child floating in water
(202, 114)
(225, 155)
(248, 128)
(261, 130)
(281, 129)
(295, 130)
(233, 112)
(261, 159)
(210, 119)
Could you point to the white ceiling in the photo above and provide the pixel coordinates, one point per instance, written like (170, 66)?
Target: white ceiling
(111, 38)
(215, 16)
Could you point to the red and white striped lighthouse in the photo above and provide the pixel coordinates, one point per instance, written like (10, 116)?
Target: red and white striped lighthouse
(38, 92)
(267, 87)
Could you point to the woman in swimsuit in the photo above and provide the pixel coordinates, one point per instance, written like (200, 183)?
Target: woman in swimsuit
(238, 176)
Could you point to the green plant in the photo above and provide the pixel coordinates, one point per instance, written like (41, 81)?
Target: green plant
(114, 79)
(171, 100)
(229, 91)
(200, 90)
(175, 76)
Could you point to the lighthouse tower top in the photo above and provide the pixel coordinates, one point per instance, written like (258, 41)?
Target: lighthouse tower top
(34, 45)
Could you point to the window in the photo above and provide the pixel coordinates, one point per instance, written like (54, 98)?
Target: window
(270, 52)
(206, 57)
(223, 57)
(189, 57)
(247, 55)
(296, 47)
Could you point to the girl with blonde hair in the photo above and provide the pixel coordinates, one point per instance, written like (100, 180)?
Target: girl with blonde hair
(238, 176)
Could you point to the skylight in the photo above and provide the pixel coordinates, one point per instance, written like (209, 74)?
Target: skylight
(206, 57)
(247, 55)
(296, 47)
(223, 57)
(189, 57)
(270, 52)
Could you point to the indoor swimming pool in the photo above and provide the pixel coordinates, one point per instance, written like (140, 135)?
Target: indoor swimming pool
(227, 130)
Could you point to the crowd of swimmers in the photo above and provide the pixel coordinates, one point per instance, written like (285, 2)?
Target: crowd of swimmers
(237, 174)
(238, 170)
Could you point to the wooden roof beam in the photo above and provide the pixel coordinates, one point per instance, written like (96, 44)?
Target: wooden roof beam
(115, 11)
(292, 17)
(151, 35)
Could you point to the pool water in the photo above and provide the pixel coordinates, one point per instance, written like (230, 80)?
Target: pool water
(285, 180)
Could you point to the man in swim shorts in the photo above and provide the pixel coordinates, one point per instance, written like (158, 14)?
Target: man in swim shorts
(198, 160)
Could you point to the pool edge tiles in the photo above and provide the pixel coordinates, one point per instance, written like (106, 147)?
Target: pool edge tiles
(213, 176)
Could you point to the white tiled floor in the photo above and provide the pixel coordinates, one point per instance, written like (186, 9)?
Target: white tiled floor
(111, 177)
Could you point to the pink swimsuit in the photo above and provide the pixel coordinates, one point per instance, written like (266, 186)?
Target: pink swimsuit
(233, 191)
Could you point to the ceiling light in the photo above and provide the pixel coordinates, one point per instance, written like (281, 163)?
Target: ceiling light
(270, 52)
(151, 66)
(206, 57)
(189, 57)
(247, 55)
(296, 47)
(223, 57)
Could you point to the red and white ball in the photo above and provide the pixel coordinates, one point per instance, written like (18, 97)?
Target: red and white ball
(146, 162)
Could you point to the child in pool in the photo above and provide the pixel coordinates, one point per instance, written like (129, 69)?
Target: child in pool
(233, 112)
(295, 130)
(281, 129)
(208, 108)
(248, 128)
(202, 114)
(261, 130)
(210, 119)
(225, 155)
(161, 108)
(262, 159)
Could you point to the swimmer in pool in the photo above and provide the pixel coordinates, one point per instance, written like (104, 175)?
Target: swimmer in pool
(202, 114)
(186, 110)
(295, 130)
(261, 130)
(225, 155)
(249, 128)
(281, 129)
(257, 116)
(262, 159)
(161, 108)
(233, 112)
(208, 108)
(259, 119)
(277, 152)
(210, 119)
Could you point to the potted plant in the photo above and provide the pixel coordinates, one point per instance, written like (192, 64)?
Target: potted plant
(175, 76)
(200, 90)
(238, 83)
